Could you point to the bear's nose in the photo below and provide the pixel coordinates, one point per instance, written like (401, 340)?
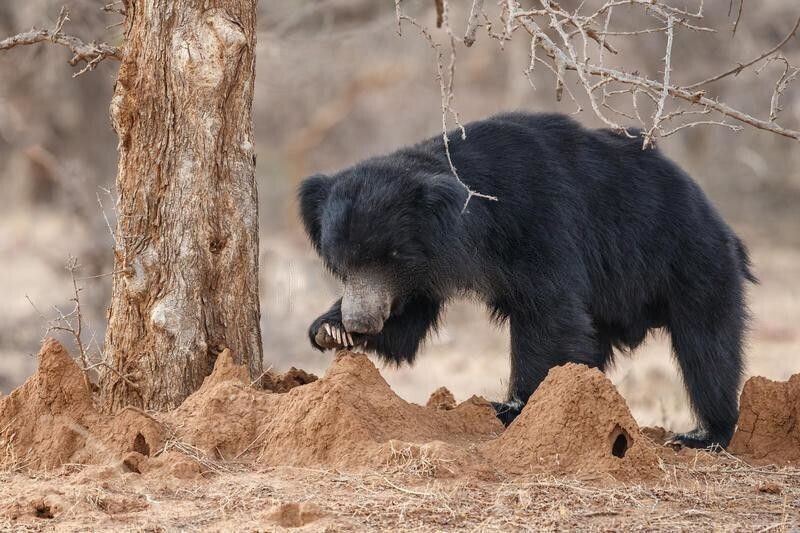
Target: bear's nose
(366, 302)
(363, 324)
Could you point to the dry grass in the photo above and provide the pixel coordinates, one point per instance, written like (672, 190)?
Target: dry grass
(723, 494)
(419, 460)
(210, 465)
(11, 459)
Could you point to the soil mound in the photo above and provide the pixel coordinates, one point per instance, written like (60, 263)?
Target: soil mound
(342, 419)
(51, 420)
(576, 422)
(441, 399)
(225, 415)
(657, 434)
(43, 421)
(294, 377)
(350, 417)
(346, 416)
(769, 421)
(226, 369)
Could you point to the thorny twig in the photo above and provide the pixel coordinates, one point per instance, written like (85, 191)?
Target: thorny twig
(72, 323)
(738, 15)
(115, 7)
(789, 74)
(574, 41)
(105, 216)
(473, 22)
(659, 115)
(736, 70)
(91, 53)
(446, 89)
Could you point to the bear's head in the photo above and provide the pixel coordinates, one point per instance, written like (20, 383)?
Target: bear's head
(383, 230)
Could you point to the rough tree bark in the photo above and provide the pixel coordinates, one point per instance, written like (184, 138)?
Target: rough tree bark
(186, 256)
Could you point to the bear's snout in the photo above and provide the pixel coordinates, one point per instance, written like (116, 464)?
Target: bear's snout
(363, 324)
(366, 303)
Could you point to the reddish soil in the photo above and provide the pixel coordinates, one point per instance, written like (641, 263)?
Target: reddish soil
(51, 420)
(591, 433)
(288, 380)
(345, 419)
(441, 399)
(576, 432)
(769, 421)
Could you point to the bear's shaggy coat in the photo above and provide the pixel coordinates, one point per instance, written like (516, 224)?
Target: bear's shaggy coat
(592, 242)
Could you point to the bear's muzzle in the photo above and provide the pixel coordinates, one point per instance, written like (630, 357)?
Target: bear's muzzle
(366, 303)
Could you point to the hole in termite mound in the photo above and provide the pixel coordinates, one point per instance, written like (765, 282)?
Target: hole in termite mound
(140, 445)
(42, 510)
(620, 442)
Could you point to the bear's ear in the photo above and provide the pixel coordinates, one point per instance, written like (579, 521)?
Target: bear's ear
(312, 195)
(444, 196)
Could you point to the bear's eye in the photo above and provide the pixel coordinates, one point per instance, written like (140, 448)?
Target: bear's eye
(394, 253)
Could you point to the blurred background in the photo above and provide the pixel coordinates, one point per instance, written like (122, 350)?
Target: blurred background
(335, 84)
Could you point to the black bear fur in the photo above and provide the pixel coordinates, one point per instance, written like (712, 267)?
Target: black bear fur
(591, 243)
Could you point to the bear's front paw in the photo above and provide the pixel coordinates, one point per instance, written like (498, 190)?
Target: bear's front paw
(330, 335)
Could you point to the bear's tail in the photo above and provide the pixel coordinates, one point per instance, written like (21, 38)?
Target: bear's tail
(744, 260)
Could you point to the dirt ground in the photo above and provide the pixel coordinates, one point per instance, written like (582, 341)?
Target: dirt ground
(344, 452)
(728, 496)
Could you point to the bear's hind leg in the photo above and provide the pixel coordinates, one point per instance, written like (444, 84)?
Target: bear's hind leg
(709, 352)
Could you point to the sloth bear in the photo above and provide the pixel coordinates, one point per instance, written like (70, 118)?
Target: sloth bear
(591, 242)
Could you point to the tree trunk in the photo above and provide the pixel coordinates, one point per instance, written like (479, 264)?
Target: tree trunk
(186, 256)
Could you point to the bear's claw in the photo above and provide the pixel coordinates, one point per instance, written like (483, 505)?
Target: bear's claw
(698, 438)
(330, 336)
(507, 411)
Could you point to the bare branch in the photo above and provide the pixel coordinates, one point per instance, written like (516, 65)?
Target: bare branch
(659, 115)
(446, 90)
(473, 22)
(576, 41)
(90, 53)
(789, 74)
(105, 216)
(732, 127)
(738, 16)
(72, 323)
(113, 7)
(736, 70)
(698, 98)
(439, 12)
(532, 63)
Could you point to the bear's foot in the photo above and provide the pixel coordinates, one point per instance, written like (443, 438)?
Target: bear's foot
(698, 438)
(507, 411)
